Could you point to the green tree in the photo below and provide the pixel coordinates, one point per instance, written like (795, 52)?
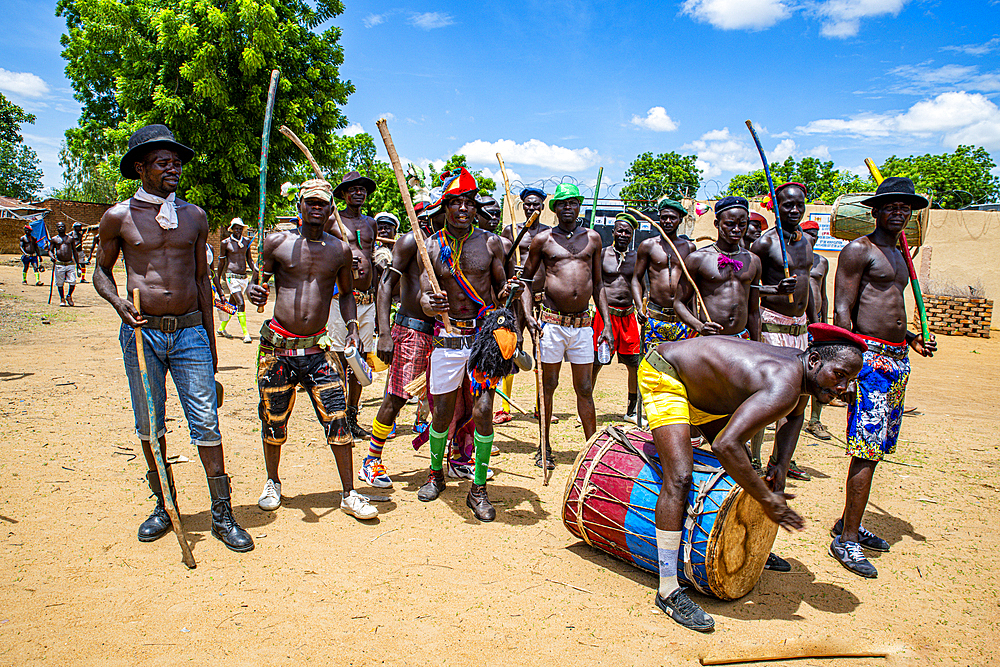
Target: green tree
(20, 175)
(87, 180)
(824, 182)
(202, 68)
(954, 180)
(11, 117)
(670, 174)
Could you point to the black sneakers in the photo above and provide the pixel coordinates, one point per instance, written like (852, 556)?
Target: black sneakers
(868, 540)
(679, 607)
(776, 563)
(850, 555)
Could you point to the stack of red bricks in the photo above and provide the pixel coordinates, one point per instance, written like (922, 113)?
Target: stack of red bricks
(957, 315)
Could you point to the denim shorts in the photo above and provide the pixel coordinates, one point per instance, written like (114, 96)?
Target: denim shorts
(187, 355)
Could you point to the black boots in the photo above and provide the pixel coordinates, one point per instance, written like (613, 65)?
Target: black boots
(357, 431)
(158, 524)
(480, 504)
(433, 488)
(224, 526)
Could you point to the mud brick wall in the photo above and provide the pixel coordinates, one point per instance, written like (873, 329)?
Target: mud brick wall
(957, 316)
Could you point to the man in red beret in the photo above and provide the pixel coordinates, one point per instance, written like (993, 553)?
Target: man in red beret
(756, 225)
(731, 389)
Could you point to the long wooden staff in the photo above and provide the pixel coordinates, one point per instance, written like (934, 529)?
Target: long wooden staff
(540, 402)
(154, 445)
(513, 222)
(774, 202)
(265, 143)
(344, 232)
(529, 223)
(918, 295)
(597, 191)
(404, 191)
(701, 302)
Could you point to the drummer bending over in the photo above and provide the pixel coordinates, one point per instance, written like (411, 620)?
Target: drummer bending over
(730, 389)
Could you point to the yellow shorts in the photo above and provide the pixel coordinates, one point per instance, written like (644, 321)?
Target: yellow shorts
(664, 398)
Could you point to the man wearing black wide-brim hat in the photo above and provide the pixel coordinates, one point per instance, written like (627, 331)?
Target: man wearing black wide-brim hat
(872, 275)
(162, 241)
(354, 190)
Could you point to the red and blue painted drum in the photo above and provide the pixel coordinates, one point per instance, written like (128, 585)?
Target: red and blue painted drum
(610, 499)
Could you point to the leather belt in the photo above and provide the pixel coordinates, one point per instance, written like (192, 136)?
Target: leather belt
(423, 326)
(235, 275)
(291, 353)
(469, 326)
(788, 329)
(621, 312)
(660, 364)
(277, 341)
(58, 263)
(660, 313)
(452, 342)
(573, 320)
(171, 323)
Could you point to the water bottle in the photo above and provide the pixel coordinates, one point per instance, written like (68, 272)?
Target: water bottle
(604, 353)
(358, 366)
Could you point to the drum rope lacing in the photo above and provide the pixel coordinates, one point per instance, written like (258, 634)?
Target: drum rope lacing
(704, 489)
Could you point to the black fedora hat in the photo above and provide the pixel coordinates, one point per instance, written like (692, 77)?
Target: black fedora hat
(146, 139)
(351, 179)
(896, 188)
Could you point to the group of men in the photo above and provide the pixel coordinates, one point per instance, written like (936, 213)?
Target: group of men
(66, 252)
(724, 343)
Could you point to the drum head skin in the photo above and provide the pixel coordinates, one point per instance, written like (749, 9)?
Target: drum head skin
(737, 554)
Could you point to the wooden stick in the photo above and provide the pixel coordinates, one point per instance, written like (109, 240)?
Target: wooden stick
(794, 652)
(382, 239)
(344, 232)
(265, 142)
(404, 190)
(540, 400)
(701, 302)
(513, 223)
(918, 295)
(508, 399)
(154, 445)
(774, 202)
(520, 235)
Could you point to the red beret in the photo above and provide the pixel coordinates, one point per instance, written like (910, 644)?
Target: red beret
(781, 187)
(828, 333)
(754, 215)
(810, 224)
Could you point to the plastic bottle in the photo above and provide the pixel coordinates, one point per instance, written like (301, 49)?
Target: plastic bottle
(358, 366)
(604, 353)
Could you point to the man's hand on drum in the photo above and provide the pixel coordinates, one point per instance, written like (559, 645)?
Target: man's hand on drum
(778, 511)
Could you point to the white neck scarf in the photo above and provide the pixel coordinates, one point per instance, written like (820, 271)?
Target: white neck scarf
(167, 217)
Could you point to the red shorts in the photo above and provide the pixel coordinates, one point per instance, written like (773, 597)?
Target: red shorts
(625, 332)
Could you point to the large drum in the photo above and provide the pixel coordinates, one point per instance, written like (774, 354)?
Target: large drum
(611, 495)
(851, 220)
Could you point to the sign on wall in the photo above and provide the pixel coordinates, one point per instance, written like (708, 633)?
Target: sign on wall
(825, 240)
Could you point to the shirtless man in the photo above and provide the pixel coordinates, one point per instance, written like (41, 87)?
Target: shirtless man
(404, 344)
(29, 255)
(617, 268)
(472, 280)
(868, 299)
(387, 226)
(306, 264)
(817, 283)
(756, 225)
(77, 235)
(783, 323)
(236, 264)
(655, 258)
(724, 273)
(162, 241)
(731, 389)
(490, 215)
(354, 190)
(571, 255)
(62, 252)
(532, 201)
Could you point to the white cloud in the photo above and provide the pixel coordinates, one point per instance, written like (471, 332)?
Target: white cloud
(431, 20)
(656, 120)
(720, 151)
(386, 115)
(923, 79)
(24, 84)
(373, 20)
(843, 17)
(533, 152)
(783, 151)
(975, 49)
(959, 117)
(737, 14)
(820, 152)
(351, 130)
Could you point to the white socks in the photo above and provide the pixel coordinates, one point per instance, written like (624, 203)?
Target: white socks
(668, 545)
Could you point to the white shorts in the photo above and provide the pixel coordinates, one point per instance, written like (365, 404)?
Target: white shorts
(237, 284)
(576, 344)
(448, 368)
(65, 274)
(338, 330)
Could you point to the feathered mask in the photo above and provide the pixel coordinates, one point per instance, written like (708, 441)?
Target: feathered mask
(490, 357)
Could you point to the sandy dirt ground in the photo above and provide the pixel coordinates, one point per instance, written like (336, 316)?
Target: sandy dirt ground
(425, 583)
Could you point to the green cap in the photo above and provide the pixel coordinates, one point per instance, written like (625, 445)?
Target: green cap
(565, 191)
(667, 202)
(629, 218)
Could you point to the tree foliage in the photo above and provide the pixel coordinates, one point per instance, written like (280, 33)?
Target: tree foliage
(667, 174)
(824, 182)
(20, 175)
(954, 180)
(11, 117)
(202, 68)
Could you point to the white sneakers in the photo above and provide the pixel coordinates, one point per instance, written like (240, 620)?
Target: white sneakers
(357, 506)
(247, 338)
(270, 499)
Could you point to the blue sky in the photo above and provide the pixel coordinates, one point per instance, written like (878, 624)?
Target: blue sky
(561, 88)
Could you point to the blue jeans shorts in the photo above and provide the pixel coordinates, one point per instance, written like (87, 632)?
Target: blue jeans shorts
(187, 355)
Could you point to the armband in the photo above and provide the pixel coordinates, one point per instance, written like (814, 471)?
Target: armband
(351, 321)
(394, 270)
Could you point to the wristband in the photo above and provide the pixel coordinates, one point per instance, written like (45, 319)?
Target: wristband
(351, 321)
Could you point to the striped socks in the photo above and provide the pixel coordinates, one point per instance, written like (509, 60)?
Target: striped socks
(379, 434)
